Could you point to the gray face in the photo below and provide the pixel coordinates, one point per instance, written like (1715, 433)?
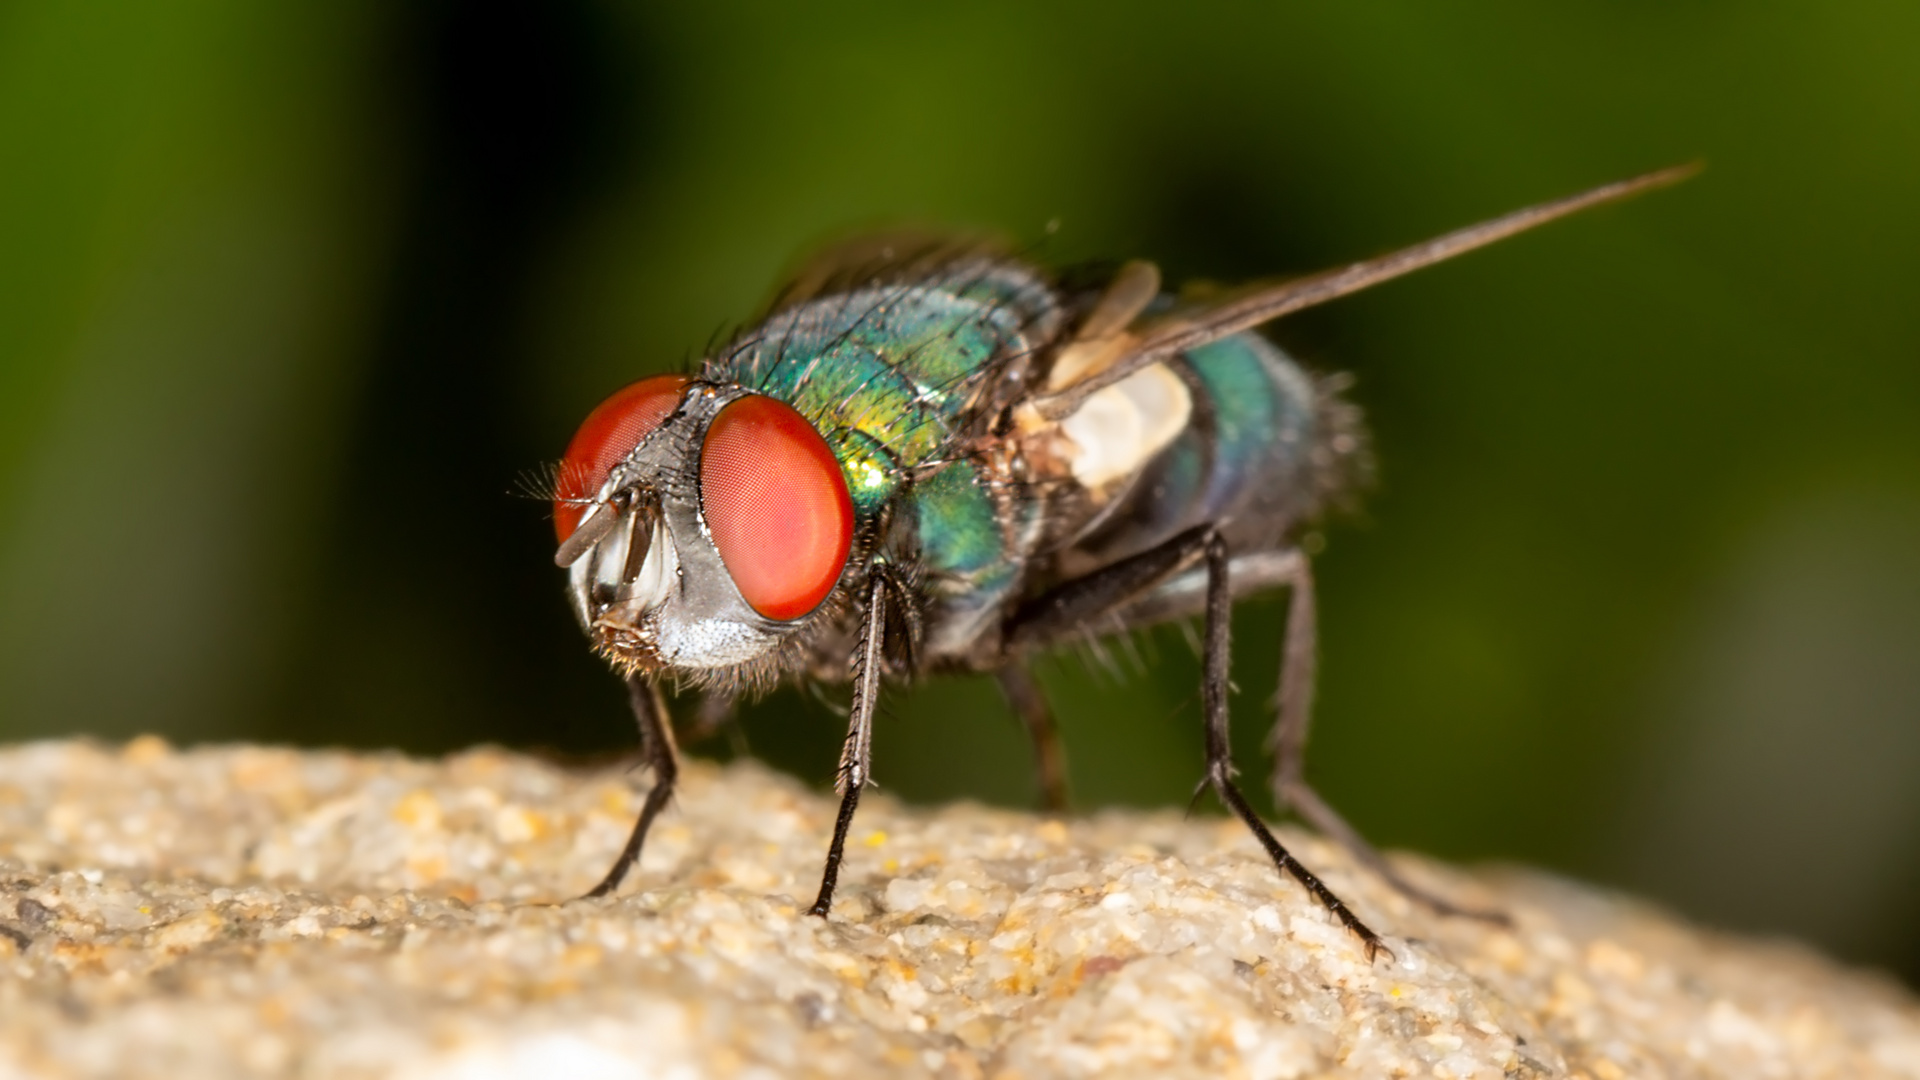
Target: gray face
(644, 577)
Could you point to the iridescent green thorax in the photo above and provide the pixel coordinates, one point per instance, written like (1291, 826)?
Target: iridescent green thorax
(905, 365)
(901, 380)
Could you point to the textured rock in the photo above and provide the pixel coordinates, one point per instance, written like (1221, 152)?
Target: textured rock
(247, 911)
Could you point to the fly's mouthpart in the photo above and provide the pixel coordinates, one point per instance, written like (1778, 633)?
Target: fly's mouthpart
(651, 565)
(633, 650)
(632, 567)
(623, 569)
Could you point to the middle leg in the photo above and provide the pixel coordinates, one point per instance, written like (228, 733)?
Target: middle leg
(1086, 602)
(1220, 770)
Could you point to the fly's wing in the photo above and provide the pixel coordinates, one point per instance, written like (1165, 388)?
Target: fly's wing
(1103, 335)
(1137, 348)
(881, 257)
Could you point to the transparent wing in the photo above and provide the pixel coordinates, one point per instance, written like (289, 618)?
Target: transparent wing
(1249, 307)
(880, 257)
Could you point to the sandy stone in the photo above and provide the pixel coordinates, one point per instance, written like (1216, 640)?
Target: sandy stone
(246, 911)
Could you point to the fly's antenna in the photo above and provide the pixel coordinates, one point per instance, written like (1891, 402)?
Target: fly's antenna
(1267, 302)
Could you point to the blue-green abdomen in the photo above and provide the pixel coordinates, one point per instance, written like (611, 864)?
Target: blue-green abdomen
(1246, 459)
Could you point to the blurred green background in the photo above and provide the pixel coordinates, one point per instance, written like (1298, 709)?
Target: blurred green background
(291, 293)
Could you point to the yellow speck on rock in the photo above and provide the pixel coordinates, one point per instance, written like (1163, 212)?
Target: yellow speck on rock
(1607, 1070)
(616, 801)
(1608, 958)
(426, 869)
(515, 824)
(583, 955)
(418, 810)
(875, 838)
(185, 934)
(145, 750)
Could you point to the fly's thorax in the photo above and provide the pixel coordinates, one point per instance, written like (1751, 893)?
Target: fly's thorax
(913, 364)
(677, 563)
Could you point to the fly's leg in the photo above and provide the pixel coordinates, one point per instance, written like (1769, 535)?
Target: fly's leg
(1085, 600)
(1288, 742)
(1073, 605)
(657, 750)
(1029, 699)
(719, 712)
(1066, 612)
(1220, 770)
(856, 754)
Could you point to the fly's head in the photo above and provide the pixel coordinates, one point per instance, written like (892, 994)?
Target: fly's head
(703, 527)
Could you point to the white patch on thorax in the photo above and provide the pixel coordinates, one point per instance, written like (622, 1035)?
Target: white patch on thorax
(1119, 429)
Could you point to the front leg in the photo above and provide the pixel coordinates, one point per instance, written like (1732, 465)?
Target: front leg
(886, 604)
(657, 751)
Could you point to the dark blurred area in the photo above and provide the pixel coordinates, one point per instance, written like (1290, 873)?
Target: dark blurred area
(292, 296)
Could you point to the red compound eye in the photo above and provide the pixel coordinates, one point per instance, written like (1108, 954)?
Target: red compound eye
(609, 433)
(777, 504)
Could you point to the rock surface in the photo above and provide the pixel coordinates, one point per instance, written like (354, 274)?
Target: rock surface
(247, 912)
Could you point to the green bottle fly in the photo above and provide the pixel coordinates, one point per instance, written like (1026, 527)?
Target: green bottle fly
(934, 457)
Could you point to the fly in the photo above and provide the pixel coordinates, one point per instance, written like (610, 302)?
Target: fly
(936, 458)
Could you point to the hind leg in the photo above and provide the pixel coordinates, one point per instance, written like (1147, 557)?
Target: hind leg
(1299, 657)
